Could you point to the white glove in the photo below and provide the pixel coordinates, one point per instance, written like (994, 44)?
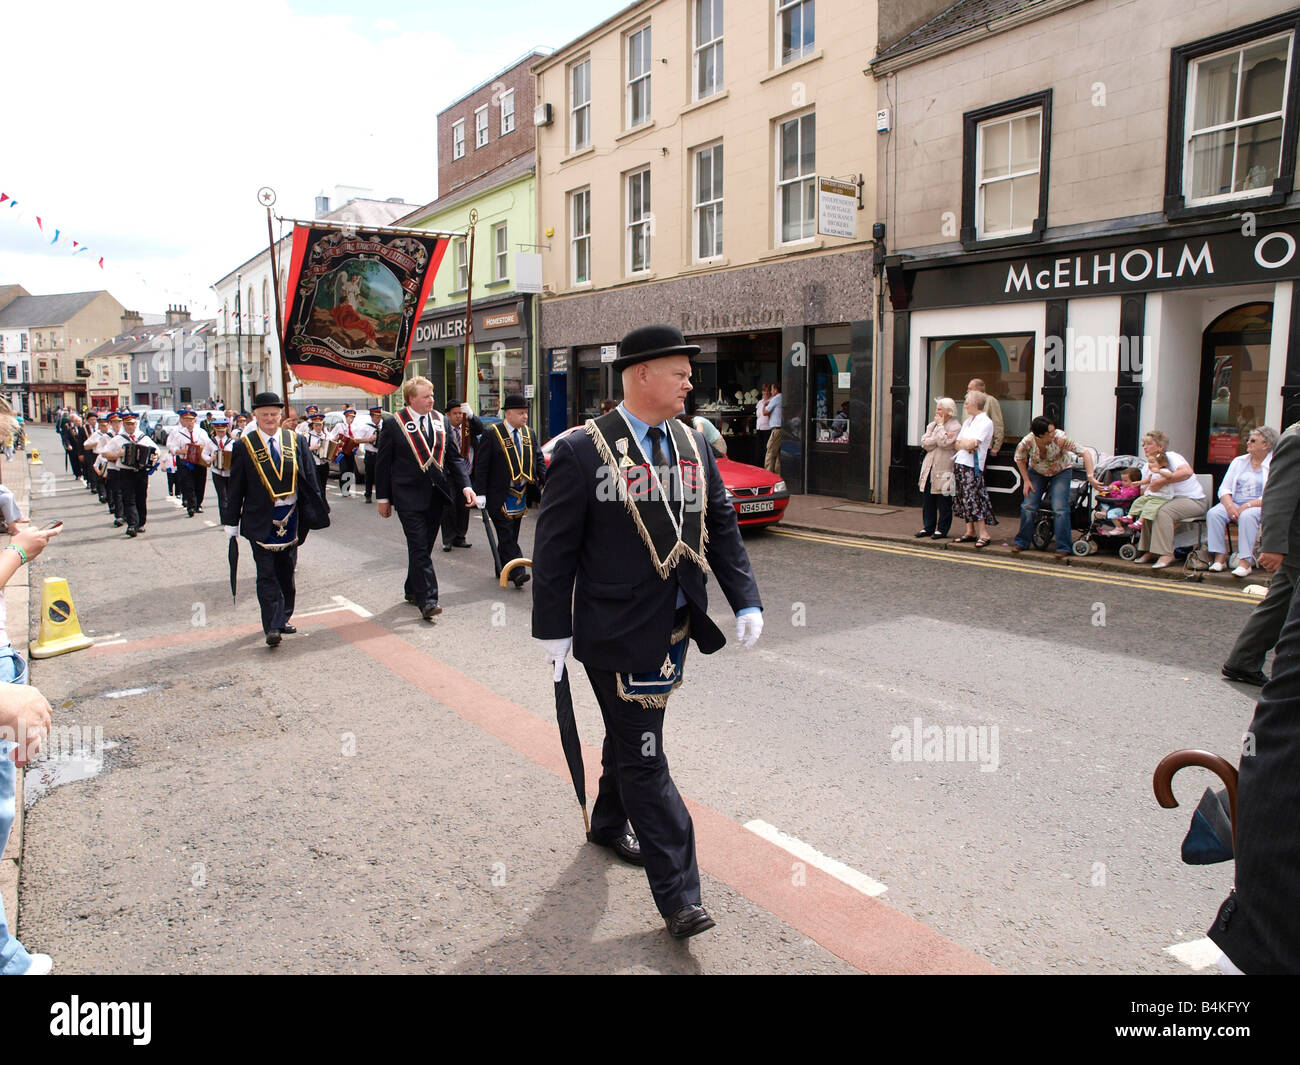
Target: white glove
(748, 628)
(232, 531)
(480, 502)
(556, 652)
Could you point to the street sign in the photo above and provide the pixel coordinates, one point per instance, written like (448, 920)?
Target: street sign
(837, 208)
(608, 352)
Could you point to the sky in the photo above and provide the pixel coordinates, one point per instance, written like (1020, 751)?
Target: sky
(143, 129)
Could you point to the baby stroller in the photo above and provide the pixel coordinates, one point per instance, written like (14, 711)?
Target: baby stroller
(1107, 532)
(1081, 507)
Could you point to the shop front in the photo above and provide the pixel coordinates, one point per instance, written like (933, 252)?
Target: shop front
(1191, 330)
(800, 325)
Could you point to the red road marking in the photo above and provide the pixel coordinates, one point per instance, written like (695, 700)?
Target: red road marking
(863, 931)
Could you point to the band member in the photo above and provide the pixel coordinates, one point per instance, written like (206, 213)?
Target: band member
(218, 454)
(275, 500)
(88, 453)
(241, 423)
(508, 474)
(113, 470)
(191, 475)
(368, 433)
(346, 438)
(317, 440)
(133, 471)
(418, 470)
(636, 556)
(466, 429)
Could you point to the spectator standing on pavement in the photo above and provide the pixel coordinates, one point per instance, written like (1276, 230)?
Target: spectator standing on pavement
(1188, 501)
(973, 444)
(994, 410)
(607, 405)
(938, 482)
(772, 461)
(1279, 553)
(763, 426)
(1045, 459)
(1240, 497)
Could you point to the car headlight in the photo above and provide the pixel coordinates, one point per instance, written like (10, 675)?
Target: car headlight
(779, 486)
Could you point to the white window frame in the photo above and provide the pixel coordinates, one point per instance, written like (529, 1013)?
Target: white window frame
(635, 77)
(701, 48)
(784, 10)
(1189, 108)
(462, 264)
(809, 179)
(637, 191)
(103, 373)
(458, 139)
(164, 375)
(717, 162)
(507, 112)
(500, 252)
(481, 134)
(124, 378)
(144, 372)
(579, 240)
(580, 104)
(980, 183)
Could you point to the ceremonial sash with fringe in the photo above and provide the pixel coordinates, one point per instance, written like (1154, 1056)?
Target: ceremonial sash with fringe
(282, 480)
(427, 453)
(656, 516)
(520, 466)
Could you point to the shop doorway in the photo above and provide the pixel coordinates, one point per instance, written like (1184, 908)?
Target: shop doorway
(1234, 384)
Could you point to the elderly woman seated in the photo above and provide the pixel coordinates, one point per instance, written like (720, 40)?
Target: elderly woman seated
(1240, 497)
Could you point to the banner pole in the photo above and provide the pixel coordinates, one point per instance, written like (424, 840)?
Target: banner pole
(462, 383)
(279, 314)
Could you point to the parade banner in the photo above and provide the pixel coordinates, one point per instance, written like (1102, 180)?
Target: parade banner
(355, 295)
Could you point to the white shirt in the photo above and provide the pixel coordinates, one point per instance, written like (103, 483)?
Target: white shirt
(120, 441)
(763, 421)
(213, 446)
(367, 432)
(1190, 488)
(976, 427)
(181, 437)
(774, 411)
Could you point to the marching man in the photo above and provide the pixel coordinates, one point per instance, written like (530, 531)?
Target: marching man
(133, 476)
(508, 472)
(191, 474)
(368, 433)
(348, 443)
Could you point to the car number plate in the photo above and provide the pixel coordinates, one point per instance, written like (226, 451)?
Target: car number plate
(760, 507)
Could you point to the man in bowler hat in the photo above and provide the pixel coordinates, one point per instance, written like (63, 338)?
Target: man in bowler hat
(508, 474)
(633, 514)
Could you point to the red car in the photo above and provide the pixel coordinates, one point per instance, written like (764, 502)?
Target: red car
(759, 497)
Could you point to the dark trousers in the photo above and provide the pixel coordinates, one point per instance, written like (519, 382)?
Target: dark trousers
(370, 473)
(186, 478)
(507, 535)
(420, 528)
(275, 587)
(171, 482)
(222, 486)
(200, 483)
(323, 477)
(92, 478)
(455, 522)
(135, 498)
(1262, 628)
(115, 493)
(635, 786)
(936, 512)
(347, 474)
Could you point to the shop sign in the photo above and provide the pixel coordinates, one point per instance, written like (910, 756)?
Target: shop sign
(499, 321)
(439, 329)
(560, 360)
(1224, 447)
(837, 208)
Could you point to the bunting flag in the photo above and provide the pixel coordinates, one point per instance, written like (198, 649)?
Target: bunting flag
(56, 237)
(38, 224)
(355, 295)
(5, 196)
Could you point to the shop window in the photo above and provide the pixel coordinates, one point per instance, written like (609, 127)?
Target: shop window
(580, 105)
(708, 47)
(638, 77)
(832, 371)
(500, 372)
(458, 139)
(708, 203)
(1232, 118)
(1234, 383)
(507, 112)
(1005, 162)
(639, 221)
(796, 169)
(1004, 363)
(580, 236)
(796, 26)
(480, 127)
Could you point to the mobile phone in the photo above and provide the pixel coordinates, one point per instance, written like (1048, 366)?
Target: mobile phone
(51, 525)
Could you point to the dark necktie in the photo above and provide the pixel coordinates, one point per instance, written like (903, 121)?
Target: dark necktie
(424, 426)
(275, 450)
(518, 446)
(660, 459)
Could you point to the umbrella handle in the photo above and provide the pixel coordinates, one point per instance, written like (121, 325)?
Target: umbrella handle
(1162, 780)
(586, 823)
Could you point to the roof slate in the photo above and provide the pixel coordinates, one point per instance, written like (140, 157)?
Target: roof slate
(45, 310)
(963, 15)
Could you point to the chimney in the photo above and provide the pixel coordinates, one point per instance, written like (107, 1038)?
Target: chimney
(177, 314)
(131, 321)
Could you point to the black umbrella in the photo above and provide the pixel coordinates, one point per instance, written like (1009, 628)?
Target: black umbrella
(492, 540)
(570, 742)
(233, 554)
(1212, 836)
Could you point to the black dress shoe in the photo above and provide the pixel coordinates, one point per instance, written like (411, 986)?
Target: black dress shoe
(1258, 678)
(289, 630)
(921, 533)
(429, 610)
(273, 638)
(520, 578)
(118, 523)
(130, 530)
(626, 846)
(461, 543)
(409, 598)
(446, 547)
(689, 921)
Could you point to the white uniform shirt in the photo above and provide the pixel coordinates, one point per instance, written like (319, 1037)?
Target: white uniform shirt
(368, 433)
(179, 438)
(213, 446)
(120, 441)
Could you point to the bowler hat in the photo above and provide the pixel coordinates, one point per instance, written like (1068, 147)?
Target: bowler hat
(515, 401)
(652, 342)
(266, 399)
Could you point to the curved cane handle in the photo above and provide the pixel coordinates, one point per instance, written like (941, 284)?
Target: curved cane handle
(1162, 780)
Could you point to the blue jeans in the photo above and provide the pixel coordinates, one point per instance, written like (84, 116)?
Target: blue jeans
(1057, 490)
(14, 958)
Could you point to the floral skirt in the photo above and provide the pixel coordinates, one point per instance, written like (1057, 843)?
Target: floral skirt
(972, 502)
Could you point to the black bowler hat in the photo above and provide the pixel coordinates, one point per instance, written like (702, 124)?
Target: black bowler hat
(515, 401)
(652, 342)
(266, 399)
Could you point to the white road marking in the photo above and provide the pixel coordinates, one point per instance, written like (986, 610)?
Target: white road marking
(340, 604)
(124, 692)
(1198, 954)
(108, 643)
(209, 524)
(840, 871)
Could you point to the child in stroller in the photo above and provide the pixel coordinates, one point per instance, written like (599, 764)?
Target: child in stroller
(1111, 524)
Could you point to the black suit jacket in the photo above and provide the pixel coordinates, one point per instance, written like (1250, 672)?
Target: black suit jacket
(1279, 520)
(492, 471)
(593, 578)
(251, 505)
(399, 479)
